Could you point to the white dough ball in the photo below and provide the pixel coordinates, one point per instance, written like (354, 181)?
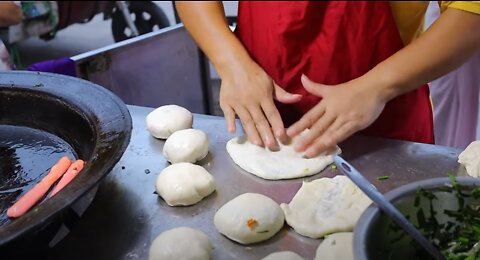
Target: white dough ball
(182, 243)
(165, 120)
(249, 218)
(187, 145)
(283, 255)
(184, 184)
(338, 246)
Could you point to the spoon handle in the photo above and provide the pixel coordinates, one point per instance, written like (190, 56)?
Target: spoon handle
(386, 206)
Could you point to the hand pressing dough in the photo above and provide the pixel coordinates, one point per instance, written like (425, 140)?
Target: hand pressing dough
(181, 243)
(165, 120)
(187, 145)
(470, 158)
(338, 246)
(275, 165)
(283, 255)
(184, 184)
(249, 218)
(325, 206)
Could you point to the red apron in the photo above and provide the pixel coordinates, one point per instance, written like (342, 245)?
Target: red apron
(331, 42)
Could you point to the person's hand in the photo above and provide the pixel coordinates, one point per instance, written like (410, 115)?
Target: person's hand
(343, 110)
(249, 93)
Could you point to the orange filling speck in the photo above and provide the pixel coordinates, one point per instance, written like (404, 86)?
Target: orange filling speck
(252, 223)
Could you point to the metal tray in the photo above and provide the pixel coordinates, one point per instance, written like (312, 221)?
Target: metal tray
(126, 215)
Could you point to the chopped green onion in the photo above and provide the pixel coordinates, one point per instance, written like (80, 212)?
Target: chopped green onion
(382, 178)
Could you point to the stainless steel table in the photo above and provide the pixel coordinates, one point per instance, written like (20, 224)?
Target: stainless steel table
(126, 215)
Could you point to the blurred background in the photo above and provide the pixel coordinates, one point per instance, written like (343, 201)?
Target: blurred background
(80, 38)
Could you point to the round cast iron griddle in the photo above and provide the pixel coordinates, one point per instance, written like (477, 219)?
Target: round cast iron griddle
(44, 116)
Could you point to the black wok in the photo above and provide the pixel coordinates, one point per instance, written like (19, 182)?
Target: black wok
(44, 116)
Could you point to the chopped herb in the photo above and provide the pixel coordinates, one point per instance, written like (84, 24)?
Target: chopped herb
(333, 167)
(382, 178)
(458, 234)
(263, 231)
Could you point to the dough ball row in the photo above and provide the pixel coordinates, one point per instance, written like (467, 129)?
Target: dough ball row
(182, 183)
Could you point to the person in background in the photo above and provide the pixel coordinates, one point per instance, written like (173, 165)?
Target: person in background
(10, 14)
(334, 67)
(455, 98)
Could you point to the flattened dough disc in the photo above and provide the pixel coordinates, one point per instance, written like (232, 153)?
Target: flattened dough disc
(275, 165)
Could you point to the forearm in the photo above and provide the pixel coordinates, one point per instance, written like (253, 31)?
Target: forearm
(206, 23)
(449, 42)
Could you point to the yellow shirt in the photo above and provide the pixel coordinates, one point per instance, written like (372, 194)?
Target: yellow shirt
(409, 15)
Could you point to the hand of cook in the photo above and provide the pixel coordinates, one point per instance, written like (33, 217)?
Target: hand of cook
(344, 109)
(250, 94)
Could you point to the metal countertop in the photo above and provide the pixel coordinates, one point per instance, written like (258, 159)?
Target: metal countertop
(125, 215)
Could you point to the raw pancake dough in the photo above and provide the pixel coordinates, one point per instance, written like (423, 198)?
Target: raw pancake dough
(470, 158)
(182, 243)
(165, 120)
(275, 165)
(283, 255)
(249, 218)
(187, 145)
(325, 206)
(184, 184)
(338, 246)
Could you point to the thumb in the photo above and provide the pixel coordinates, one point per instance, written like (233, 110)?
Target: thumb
(314, 88)
(283, 96)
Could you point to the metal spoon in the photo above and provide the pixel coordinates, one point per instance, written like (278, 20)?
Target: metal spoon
(386, 206)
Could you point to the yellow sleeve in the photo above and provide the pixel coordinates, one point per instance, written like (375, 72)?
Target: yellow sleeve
(469, 6)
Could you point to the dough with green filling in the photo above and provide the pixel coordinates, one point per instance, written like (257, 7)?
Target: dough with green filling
(325, 206)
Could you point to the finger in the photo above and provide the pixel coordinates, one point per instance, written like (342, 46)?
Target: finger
(283, 96)
(307, 120)
(275, 120)
(249, 126)
(334, 136)
(315, 132)
(229, 115)
(263, 127)
(344, 132)
(314, 88)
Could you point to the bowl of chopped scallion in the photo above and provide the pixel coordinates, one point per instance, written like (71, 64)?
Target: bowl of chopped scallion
(446, 211)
